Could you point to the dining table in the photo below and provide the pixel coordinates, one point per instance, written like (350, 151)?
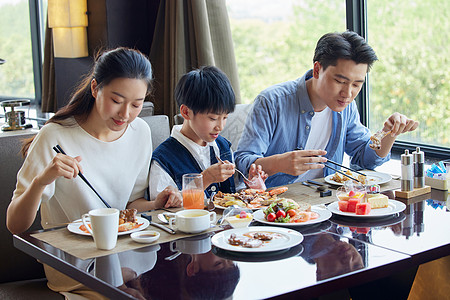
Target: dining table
(339, 252)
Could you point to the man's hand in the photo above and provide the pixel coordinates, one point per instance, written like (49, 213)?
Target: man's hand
(398, 124)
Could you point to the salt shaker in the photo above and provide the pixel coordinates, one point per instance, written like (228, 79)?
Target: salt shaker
(407, 182)
(418, 161)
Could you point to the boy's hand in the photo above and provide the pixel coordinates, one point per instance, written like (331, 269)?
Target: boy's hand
(218, 172)
(256, 170)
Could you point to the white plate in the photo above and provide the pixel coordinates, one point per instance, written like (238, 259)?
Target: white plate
(75, 227)
(223, 207)
(324, 215)
(373, 178)
(289, 238)
(394, 207)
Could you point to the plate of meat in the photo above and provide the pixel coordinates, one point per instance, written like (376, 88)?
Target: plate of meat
(257, 239)
(128, 223)
(248, 198)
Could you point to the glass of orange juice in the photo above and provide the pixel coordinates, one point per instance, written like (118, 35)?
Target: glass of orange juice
(193, 194)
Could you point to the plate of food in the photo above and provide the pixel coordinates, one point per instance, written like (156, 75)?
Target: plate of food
(372, 177)
(257, 239)
(296, 217)
(128, 223)
(392, 207)
(248, 198)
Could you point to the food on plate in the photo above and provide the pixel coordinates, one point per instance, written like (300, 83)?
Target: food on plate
(351, 194)
(127, 215)
(376, 139)
(377, 200)
(250, 198)
(363, 208)
(253, 239)
(289, 211)
(127, 221)
(242, 219)
(339, 178)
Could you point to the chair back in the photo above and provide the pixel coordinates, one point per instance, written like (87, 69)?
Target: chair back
(160, 128)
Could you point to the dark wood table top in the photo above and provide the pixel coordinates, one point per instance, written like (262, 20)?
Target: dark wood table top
(338, 253)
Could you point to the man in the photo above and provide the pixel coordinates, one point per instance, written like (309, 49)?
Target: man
(291, 122)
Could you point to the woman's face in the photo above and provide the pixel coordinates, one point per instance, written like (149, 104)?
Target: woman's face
(118, 103)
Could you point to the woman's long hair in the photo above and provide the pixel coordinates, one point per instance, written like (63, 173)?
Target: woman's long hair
(117, 63)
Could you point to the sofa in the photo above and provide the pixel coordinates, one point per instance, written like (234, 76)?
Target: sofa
(21, 276)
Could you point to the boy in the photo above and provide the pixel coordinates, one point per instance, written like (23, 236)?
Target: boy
(205, 98)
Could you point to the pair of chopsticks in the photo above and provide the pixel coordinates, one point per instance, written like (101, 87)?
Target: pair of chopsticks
(58, 149)
(342, 166)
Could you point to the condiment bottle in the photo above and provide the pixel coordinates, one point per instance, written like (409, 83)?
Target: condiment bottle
(419, 160)
(407, 182)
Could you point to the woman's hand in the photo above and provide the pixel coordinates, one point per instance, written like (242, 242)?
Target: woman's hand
(218, 172)
(60, 166)
(169, 197)
(398, 124)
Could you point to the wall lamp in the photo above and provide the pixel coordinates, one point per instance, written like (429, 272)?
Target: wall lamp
(68, 20)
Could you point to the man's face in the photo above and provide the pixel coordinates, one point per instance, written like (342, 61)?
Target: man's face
(338, 85)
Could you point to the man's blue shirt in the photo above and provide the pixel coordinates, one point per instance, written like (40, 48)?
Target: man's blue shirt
(280, 121)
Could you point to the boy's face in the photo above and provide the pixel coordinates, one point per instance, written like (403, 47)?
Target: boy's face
(338, 85)
(203, 128)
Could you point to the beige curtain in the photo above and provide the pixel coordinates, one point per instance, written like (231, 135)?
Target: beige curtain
(49, 102)
(189, 34)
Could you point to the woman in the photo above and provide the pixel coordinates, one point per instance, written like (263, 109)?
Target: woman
(103, 139)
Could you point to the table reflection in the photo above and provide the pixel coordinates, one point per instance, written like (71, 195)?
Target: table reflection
(187, 276)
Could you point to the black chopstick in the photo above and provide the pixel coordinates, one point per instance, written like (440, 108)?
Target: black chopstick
(335, 163)
(342, 173)
(58, 149)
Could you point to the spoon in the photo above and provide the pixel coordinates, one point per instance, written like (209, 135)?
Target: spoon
(319, 188)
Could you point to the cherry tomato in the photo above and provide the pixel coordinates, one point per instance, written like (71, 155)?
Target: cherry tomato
(271, 217)
(281, 214)
(291, 213)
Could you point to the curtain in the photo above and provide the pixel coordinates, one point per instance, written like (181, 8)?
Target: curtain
(49, 102)
(189, 34)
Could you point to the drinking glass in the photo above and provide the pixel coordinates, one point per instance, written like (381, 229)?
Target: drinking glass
(193, 194)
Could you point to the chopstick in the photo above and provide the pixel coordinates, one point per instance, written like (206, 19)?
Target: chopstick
(342, 173)
(335, 163)
(58, 149)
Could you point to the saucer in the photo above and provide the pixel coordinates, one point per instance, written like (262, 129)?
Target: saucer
(145, 237)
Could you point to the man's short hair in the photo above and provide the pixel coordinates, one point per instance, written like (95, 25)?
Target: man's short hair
(346, 45)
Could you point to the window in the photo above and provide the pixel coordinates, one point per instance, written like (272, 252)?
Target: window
(21, 44)
(274, 41)
(411, 40)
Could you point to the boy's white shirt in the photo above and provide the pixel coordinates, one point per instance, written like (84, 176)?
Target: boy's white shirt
(160, 179)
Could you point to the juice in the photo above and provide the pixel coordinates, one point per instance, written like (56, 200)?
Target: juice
(193, 198)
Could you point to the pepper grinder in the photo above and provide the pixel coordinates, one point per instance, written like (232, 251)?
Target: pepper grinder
(407, 182)
(419, 160)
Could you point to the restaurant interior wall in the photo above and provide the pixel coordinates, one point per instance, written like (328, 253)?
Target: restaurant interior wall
(112, 23)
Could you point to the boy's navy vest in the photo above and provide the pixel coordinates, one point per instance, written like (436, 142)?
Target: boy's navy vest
(176, 160)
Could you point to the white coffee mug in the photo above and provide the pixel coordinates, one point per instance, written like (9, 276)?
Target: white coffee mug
(192, 220)
(105, 226)
(192, 245)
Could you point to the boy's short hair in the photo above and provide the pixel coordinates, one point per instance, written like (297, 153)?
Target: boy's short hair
(345, 45)
(206, 90)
